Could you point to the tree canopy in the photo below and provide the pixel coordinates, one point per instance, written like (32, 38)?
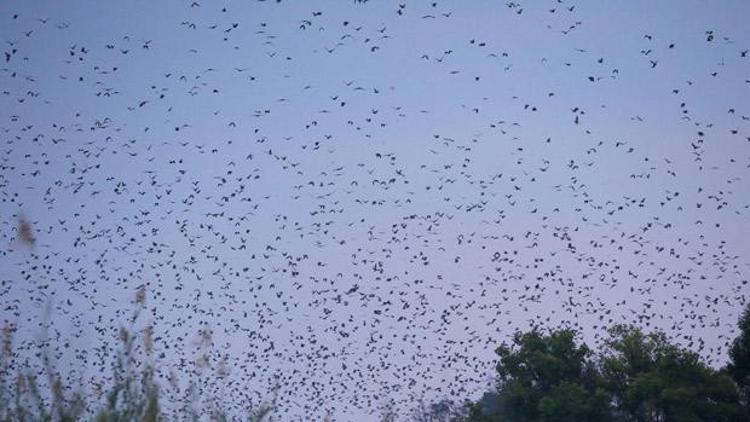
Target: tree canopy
(636, 376)
(739, 354)
(545, 377)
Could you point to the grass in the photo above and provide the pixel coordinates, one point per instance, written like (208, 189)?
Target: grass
(134, 393)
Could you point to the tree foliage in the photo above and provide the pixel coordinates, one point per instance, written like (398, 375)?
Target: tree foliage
(649, 379)
(545, 377)
(636, 376)
(739, 355)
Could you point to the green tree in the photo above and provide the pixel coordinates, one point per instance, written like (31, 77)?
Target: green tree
(739, 355)
(544, 377)
(650, 379)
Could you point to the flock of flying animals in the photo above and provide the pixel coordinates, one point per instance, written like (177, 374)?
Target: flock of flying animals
(355, 203)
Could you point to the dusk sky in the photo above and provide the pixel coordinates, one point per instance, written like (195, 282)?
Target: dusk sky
(361, 200)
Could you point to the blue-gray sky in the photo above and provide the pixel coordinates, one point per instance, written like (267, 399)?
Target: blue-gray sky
(362, 200)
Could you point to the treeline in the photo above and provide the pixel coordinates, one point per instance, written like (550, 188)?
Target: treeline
(542, 375)
(635, 376)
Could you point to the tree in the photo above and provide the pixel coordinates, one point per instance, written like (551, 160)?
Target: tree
(650, 379)
(739, 355)
(544, 377)
(635, 377)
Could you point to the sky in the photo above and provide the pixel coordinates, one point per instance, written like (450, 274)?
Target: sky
(361, 200)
